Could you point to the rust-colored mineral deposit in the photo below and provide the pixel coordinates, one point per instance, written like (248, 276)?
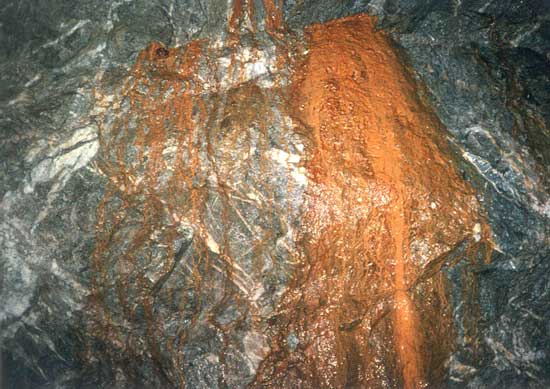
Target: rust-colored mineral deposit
(384, 204)
(364, 305)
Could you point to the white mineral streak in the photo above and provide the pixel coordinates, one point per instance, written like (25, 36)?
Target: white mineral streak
(33, 80)
(21, 98)
(17, 266)
(247, 64)
(16, 300)
(283, 157)
(69, 278)
(255, 348)
(376, 7)
(517, 40)
(503, 183)
(477, 232)
(64, 159)
(211, 243)
(290, 162)
(56, 165)
(52, 162)
(68, 33)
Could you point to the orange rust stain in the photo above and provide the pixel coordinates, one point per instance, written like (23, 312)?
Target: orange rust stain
(243, 14)
(274, 15)
(384, 205)
(161, 98)
(163, 103)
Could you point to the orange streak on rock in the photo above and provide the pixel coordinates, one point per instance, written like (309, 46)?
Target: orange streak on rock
(238, 14)
(244, 11)
(152, 188)
(363, 107)
(161, 101)
(274, 15)
(384, 201)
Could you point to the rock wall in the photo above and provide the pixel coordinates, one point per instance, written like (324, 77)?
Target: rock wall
(159, 165)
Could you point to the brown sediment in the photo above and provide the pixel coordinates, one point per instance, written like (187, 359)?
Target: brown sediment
(384, 205)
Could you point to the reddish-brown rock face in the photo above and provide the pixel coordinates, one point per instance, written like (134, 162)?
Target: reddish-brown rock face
(296, 208)
(383, 204)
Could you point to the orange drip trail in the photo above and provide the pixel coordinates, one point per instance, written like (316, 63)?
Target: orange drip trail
(384, 204)
(161, 99)
(150, 191)
(243, 15)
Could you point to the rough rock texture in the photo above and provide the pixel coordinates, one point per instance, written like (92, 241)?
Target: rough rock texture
(69, 87)
(384, 211)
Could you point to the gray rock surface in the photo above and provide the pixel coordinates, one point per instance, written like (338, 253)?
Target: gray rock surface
(485, 65)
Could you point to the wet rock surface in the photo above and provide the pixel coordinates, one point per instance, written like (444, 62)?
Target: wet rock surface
(152, 192)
